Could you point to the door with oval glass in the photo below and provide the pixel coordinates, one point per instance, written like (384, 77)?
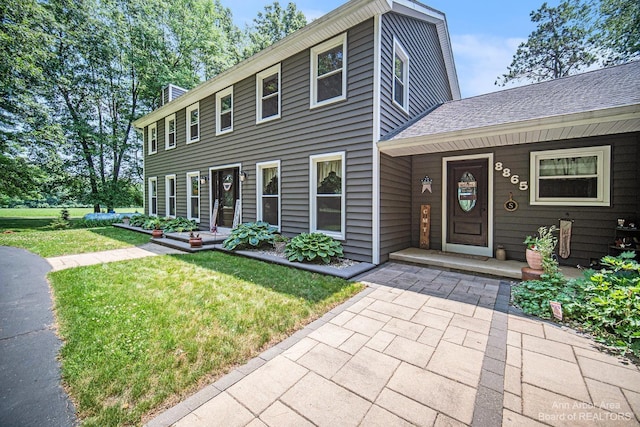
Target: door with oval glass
(226, 189)
(467, 202)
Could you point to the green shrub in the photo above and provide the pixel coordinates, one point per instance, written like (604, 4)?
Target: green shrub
(312, 248)
(59, 224)
(179, 225)
(250, 234)
(606, 302)
(154, 223)
(612, 302)
(138, 220)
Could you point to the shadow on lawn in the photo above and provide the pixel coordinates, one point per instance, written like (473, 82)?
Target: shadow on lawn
(25, 224)
(312, 287)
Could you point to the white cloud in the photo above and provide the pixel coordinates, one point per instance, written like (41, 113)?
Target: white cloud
(480, 59)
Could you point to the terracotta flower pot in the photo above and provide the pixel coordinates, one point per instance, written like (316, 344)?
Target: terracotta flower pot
(534, 259)
(156, 233)
(195, 242)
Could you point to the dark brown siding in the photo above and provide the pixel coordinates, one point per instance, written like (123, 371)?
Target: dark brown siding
(428, 82)
(395, 204)
(299, 133)
(593, 227)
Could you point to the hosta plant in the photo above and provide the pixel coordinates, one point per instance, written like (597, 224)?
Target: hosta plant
(313, 247)
(250, 234)
(179, 225)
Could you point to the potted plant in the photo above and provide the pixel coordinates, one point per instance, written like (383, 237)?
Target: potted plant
(156, 223)
(195, 241)
(540, 248)
(279, 242)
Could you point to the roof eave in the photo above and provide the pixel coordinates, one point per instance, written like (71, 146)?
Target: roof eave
(335, 22)
(583, 124)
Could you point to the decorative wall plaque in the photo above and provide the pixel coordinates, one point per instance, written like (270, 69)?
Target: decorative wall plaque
(425, 226)
(510, 205)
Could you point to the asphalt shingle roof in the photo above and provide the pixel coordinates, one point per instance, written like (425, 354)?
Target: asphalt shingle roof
(594, 90)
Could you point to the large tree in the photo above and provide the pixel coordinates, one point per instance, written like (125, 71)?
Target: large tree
(560, 45)
(108, 61)
(272, 25)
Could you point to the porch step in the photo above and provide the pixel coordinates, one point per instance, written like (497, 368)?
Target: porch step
(482, 265)
(181, 245)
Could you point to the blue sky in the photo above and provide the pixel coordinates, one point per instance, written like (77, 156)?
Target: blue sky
(484, 34)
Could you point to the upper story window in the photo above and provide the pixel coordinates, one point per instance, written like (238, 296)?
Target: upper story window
(327, 191)
(193, 123)
(268, 94)
(153, 196)
(152, 138)
(328, 71)
(571, 177)
(400, 76)
(268, 192)
(170, 132)
(224, 111)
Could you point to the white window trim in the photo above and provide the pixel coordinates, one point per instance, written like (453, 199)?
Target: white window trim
(166, 132)
(259, 78)
(603, 154)
(313, 187)
(153, 179)
(260, 185)
(153, 126)
(167, 194)
(399, 50)
(315, 51)
(219, 96)
(191, 108)
(189, 195)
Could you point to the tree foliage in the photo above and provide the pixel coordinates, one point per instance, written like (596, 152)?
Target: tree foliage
(575, 35)
(272, 25)
(77, 74)
(560, 45)
(618, 33)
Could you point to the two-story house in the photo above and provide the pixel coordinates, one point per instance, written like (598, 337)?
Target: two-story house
(289, 135)
(352, 124)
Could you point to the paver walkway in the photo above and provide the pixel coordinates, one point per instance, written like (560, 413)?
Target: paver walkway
(428, 348)
(142, 251)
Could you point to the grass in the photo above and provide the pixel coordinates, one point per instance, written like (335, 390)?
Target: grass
(52, 212)
(140, 334)
(34, 235)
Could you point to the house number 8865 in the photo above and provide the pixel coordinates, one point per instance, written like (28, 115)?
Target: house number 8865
(515, 179)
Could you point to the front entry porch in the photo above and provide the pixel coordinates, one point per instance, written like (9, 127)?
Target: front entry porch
(470, 263)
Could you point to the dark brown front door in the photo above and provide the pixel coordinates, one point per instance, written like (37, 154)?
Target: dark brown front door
(226, 183)
(467, 192)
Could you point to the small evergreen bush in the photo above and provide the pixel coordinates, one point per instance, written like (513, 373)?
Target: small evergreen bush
(313, 247)
(250, 234)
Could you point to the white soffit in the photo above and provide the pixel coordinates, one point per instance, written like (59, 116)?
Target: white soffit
(580, 125)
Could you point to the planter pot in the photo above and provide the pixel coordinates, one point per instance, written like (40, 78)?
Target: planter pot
(501, 254)
(195, 242)
(156, 233)
(534, 259)
(126, 221)
(279, 246)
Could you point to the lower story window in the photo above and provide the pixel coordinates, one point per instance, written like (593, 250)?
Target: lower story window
(268, 196)
(571, 177)
(193, 196)
(153, 196)
(170, 182)
(327, 194)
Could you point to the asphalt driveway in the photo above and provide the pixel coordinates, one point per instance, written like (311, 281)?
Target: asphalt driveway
(30, 390)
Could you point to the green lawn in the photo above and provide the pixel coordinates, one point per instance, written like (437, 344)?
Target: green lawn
(52, 212)
(143, 332)
(35, 235)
